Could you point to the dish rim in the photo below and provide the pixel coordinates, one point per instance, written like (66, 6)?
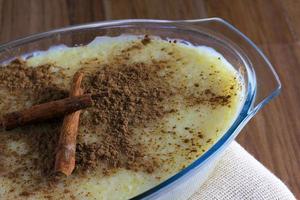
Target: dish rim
(246, 112)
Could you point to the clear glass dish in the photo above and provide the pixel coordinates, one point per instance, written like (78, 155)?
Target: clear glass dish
(261, 81)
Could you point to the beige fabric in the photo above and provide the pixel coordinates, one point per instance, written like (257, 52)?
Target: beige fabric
(239, 175)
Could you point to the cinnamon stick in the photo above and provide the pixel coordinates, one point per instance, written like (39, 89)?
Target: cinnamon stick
(45, 111)
(65, 155)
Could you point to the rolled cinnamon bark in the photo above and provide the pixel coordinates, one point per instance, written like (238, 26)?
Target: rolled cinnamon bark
(66, 149)
(45, 111)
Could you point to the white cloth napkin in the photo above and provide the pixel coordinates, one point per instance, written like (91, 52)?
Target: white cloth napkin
(238, 176)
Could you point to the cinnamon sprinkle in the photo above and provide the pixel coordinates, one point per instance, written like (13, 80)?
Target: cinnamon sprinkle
(127, 96)
(146, 40)
(37, 83)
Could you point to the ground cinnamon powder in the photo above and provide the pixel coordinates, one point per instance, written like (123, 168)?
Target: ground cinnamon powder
(38, 83)
(125, 96)
(32, 85)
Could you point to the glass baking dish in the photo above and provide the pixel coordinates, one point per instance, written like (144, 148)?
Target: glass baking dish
(261, 81)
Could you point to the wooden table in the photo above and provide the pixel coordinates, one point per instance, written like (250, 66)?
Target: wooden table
(273, 136)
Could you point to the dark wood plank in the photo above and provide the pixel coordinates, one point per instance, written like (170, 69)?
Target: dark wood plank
(154, 9)
(274, 133)
(19, 18)
(22, 17)
(84, 11)
(262, 21)
(292, 14)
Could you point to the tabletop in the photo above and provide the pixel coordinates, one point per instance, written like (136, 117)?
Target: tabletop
(273, 135)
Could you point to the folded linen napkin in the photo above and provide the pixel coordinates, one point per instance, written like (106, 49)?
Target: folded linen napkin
(238, 175)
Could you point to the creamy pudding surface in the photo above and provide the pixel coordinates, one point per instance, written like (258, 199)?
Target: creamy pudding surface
(158, 105)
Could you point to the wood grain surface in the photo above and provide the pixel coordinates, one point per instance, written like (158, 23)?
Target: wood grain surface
(273, 136)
